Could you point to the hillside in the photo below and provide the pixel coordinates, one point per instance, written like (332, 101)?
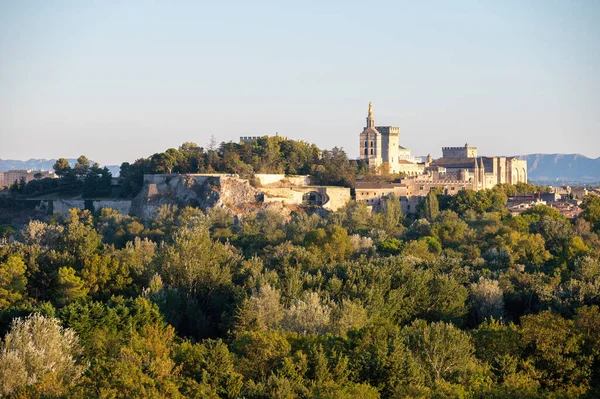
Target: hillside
(45, 164)
(562, 167)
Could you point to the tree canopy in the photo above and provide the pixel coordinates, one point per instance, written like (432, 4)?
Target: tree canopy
(463, 300)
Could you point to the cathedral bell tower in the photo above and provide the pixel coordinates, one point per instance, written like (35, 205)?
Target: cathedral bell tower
(370, 118)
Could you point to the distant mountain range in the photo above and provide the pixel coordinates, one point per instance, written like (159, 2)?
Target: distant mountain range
(45, 164)
(567, 168)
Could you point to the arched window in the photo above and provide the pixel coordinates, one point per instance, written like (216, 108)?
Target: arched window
(366, 143)
(366, 151)
(371, 151)
(371, 144)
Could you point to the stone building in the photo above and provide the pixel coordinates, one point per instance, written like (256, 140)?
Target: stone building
(459, 168)
(459, 152)
(485, 172)
(380, 148)
(380, 144)
(250, 139)
(9, 177)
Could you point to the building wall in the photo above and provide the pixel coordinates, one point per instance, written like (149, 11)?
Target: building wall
(63, 205)
(410, 190)
(411, 169)
(518, 170)
(338, 197)
(335, 197)
(300, 180)
(459, 152)
(248, 139)
(9, 177)
(390, 146)
(413, 188)
(579, 192)
(371, 147)
(265, 179)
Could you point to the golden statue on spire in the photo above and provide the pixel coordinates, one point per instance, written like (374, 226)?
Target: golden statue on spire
(370, 109)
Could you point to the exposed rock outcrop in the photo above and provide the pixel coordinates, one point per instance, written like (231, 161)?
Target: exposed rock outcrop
(203, 191)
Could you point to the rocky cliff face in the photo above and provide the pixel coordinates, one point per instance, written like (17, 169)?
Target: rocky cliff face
(203, 191)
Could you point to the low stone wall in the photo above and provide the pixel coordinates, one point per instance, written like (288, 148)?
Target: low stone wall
(121, 206)
(266, 179)
(287, 195)
(166, 178)
(304, 180)
(336, 197)
(63, 205)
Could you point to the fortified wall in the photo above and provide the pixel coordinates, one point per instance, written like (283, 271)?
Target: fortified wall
(206, 191)
(459, 152)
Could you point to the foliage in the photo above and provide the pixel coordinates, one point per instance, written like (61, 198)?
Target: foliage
(37, 350)
(12, 281)
(263, 155)
(466, 301)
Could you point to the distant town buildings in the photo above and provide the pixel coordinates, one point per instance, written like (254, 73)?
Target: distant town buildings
(9, 177)
(559, 198)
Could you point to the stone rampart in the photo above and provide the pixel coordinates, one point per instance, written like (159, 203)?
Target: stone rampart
(329, 197)
(265, 179)
(63, 205)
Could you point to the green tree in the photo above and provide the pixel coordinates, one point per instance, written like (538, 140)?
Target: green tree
(260, 353)
(308, 316)
(261, 312)
(450, 230)
(38, 351)
(391, 214)
(82, 166)
(591, 210)
(210, 363)
(195, 262)
(555, 347)
(431, 207)
(465, 200)
(486, 300)
(12, 281)
(62, 167)
(445, 354)
(536, 213)
(69, 287)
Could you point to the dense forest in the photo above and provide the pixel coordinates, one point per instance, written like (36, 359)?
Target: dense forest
(462, 301)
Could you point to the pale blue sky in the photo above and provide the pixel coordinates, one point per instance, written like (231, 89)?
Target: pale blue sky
(118, 80)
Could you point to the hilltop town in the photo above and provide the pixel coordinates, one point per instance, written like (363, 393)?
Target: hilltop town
(330, 180)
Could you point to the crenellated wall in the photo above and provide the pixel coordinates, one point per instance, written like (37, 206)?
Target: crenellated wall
(459, 152)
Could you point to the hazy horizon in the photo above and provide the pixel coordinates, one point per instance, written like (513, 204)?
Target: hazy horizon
(120, 81)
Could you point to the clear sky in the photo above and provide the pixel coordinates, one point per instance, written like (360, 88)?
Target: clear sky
(119, 80)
